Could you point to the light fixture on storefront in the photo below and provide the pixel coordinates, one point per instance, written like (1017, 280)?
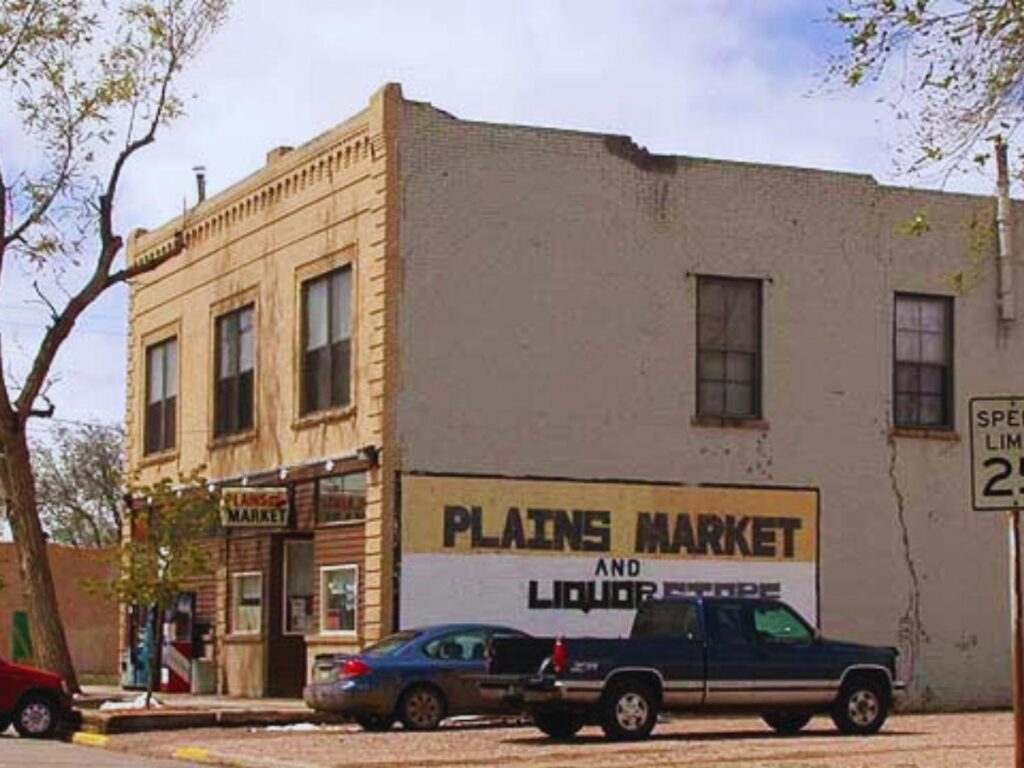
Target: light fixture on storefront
(329, 465)
(283, 474)
(369, 454)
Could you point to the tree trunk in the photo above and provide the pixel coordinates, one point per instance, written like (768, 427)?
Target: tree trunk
(51, 646)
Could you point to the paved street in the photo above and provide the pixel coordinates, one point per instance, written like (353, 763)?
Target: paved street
(981, 740)
(25, 753)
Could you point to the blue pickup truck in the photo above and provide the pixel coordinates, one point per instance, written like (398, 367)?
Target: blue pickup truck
(689, 655)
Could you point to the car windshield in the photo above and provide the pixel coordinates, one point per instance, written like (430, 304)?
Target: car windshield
(390, 645)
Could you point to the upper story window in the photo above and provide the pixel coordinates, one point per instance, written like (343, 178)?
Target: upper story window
(728, 347)
(923, 361)
(161, 396)
(233, 384)
(327, 342)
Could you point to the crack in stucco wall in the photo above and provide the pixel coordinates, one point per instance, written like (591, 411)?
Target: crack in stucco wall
(911, 632)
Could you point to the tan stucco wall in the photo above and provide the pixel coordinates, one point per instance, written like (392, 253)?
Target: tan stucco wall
(547, 328)
(90, 620)
(307, 211)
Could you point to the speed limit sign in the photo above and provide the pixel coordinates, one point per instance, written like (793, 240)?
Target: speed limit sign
(997, 453)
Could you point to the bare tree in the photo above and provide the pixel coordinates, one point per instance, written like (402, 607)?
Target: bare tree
(90, 83)
(79, 484)
(959, 67)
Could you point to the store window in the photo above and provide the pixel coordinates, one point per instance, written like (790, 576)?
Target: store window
(341, 499)
(923, 367)
(339, 587)
(247, 603)
(298, 587)
(233, 385)
(728, 347)
(161, 395)
(327, 341)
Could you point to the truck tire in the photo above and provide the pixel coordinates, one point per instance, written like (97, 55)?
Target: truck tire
(36, 716)
(629, 710)
(557, 724)
(422, 708)
(786, 723)
(5, 723)
(861, 707)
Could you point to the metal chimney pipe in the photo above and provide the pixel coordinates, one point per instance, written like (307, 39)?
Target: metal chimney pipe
(200, 171)
(1004, 227)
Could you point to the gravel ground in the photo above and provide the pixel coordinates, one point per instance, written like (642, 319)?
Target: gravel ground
(975, 740)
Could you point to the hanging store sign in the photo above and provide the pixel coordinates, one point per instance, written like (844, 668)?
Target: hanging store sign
(562, 556)
(254, 507)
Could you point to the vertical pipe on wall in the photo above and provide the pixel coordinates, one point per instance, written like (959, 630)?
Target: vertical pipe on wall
(1004, 226)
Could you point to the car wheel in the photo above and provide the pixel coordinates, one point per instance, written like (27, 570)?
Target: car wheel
(786, 723)
(557, 725)
(422, 708)
(629, 711)
(36, 716)
(861, 707)
(5, 723)
(375, 722)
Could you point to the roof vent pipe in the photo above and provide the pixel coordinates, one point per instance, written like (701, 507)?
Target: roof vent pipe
(200, 171)
(1004, 227)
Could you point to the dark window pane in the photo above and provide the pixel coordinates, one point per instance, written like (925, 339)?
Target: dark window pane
(906, 409)
(712, 399)
(729, 347)
(161, 388)
(170, 426)
(729, 625)
(922, 361)
(907, 377)
(326, 374)
(739, 399)
(712, 366)
(245, 400)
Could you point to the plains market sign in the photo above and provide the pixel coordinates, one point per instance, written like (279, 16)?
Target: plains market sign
(254, 507)
(563, 556)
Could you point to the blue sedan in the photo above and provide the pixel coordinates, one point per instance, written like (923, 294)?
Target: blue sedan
(416, 676)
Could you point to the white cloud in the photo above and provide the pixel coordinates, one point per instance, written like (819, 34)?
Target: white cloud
(721, 78)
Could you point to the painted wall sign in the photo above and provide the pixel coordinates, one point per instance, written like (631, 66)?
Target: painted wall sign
(997, 452)
(562, 556)
(254, 507)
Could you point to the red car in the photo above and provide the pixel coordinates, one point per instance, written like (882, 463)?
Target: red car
(35, 701)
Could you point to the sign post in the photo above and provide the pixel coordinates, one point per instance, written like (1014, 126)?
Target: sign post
(997, 484)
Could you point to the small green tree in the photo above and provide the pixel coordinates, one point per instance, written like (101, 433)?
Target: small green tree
(170, 525)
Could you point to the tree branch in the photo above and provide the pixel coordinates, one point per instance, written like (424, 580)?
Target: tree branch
(8, 57)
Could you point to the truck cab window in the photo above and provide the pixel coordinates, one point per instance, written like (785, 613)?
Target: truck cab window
(667, 620)
(777, 624)
(730, 624)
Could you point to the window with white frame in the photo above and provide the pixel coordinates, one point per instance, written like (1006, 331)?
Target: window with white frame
(339, 590)
(247, 603)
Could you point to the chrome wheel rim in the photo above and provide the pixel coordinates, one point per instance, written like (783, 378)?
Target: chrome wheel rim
(423, 709)
(36, 718)
(631, 711)
(863, 707)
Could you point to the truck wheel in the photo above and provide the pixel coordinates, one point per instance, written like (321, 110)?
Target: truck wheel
(421, 708)
(375, 722)
(629, 711)
(36, 716)
(5, 723)
(861, 707)
(786, 722)
(558, 725)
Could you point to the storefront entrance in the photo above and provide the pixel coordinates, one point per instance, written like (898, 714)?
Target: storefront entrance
(290, 614)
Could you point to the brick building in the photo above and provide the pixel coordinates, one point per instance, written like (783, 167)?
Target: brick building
(535, 375)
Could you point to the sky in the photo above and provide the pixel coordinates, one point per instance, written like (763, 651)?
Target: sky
(735, 79)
